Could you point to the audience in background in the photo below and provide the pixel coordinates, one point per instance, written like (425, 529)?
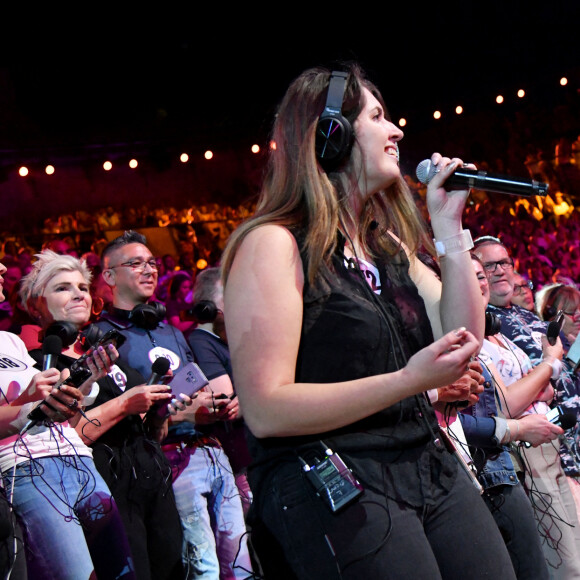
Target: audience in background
(542, 235)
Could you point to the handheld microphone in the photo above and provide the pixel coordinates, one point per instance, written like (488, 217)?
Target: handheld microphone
(553, 330)
(76, 378)
(158, 370)
(51, 348)
(463, 178)
(561, 417)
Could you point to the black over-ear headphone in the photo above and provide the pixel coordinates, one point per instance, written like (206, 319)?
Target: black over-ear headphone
(204, 311)
(492, 324)
(334, 134)
(550, 309)
(68, 333)
(148, 315)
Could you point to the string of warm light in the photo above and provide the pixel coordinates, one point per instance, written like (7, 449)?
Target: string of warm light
(25, 170)
(499, 99)
(133, 163)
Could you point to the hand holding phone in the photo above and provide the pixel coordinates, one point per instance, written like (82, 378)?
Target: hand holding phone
(112, 336)
(187, 381)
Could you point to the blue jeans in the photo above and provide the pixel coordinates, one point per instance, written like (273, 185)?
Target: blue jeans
(72, 527)
(208, 501)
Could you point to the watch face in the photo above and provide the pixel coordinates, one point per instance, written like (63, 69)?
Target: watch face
(440, 248)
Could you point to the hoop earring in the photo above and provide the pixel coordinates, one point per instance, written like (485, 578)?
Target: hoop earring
(98, 305)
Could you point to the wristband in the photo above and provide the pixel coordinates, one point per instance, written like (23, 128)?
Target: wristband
(90, 398)
(433, 395)
(454, 245)
(556, 366)
(22, 419)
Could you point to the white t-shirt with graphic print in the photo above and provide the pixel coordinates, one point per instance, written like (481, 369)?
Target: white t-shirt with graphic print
(16, 372)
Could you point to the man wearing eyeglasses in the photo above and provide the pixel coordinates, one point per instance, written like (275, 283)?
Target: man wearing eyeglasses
(205, 490)
(526, 329)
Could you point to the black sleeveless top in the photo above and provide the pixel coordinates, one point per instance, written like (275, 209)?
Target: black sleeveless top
(349, 332)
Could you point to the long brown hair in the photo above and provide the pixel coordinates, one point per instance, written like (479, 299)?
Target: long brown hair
(298, 194)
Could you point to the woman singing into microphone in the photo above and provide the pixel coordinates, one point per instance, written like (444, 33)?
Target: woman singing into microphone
(331, 321)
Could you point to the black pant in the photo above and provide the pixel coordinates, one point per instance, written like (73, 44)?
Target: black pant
(12, 556)
(514, 516)
(139, 478)
(297, 537)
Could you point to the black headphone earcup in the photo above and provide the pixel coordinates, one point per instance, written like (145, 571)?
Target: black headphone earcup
(334, 134)
(492, 324)
(552, 303)
(204, 311)
(90, 335)
(333, 140)
(148, 315)
(66, 331)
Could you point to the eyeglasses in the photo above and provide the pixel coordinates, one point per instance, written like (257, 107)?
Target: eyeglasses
(574, 313)
(518, 288)
(491, 267)
(138, 265)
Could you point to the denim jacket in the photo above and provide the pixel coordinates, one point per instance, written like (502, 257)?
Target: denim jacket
(493, 461)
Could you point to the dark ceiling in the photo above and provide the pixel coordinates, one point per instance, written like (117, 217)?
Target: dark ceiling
(220, 73)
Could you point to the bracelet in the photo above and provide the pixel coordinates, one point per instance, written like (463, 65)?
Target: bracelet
(508, 436)
(454, 245)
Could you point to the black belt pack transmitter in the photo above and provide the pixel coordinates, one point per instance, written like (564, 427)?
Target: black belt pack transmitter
(332, 480)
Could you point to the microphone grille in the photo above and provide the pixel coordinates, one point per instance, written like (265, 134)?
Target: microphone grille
(160, 366)
(567, 420)
(425, 171)
(52, 345)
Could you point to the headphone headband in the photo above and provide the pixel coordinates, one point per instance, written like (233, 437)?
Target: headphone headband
(550, 310)
(335, 96)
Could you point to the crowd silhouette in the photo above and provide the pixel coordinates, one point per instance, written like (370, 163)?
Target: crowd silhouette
(542, 233)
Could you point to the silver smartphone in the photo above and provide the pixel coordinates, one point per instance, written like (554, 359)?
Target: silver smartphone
(573, 354)
(188, 381)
